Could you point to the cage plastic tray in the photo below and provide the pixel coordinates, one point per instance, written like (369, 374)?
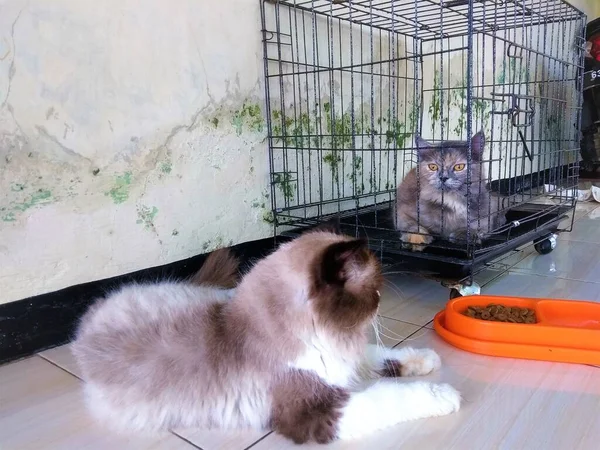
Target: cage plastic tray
(566, 330)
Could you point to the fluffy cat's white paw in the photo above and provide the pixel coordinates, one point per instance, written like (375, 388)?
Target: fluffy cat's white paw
(418, 362)
(446, 399)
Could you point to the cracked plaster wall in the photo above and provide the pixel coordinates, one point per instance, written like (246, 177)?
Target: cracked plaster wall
(131, 135)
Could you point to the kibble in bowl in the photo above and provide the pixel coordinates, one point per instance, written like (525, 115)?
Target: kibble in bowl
(501, 313)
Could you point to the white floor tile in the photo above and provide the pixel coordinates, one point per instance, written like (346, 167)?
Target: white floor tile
(41, 407)
(523, 284)
(570, 259)
(584, 230)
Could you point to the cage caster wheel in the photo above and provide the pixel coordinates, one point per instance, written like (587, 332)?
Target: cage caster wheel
(546, 245)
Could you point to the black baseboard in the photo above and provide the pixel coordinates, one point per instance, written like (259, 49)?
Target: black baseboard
(45, 321)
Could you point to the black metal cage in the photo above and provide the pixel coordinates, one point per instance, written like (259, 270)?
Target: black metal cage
(350, 82)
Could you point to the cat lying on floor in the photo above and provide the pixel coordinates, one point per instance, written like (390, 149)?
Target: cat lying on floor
(433, 201)
(285, 350)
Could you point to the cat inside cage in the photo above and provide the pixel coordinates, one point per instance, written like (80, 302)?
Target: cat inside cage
(431, 128)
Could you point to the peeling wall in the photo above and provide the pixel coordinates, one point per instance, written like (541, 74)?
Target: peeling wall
(131, 135)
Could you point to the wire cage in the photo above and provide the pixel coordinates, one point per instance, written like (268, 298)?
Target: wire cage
(351, 83)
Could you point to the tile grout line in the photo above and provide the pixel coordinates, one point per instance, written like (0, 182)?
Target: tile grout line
(260, 440)
(58, 366)
(177, 435)
(399, 320)
(409, 336)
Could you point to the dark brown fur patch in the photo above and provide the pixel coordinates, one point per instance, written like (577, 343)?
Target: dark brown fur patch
(391, 369)
(220, 270)
(305, 409)
(337, 257)
(335, 304)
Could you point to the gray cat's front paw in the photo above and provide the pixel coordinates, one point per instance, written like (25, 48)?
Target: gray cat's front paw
(415, 241)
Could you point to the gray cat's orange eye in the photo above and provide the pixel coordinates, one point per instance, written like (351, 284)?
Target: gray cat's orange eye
(432, 167)
(459, 167)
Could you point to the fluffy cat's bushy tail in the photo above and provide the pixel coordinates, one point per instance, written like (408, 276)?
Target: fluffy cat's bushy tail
(220, 270)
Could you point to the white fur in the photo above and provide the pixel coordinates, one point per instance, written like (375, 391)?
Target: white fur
(389, 402)
(328, 363)
(245, 406)
(454, 202)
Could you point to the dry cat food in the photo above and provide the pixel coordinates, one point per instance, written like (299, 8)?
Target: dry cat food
(501, 313)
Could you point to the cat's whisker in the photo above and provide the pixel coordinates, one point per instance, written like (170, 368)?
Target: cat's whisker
(395, 289)
(414, 337)
(376, 323)
(393, 332)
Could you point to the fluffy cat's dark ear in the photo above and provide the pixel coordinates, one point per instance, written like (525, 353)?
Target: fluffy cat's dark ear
(422, 143)
(478, 144)
(339, 258)
(330, 226)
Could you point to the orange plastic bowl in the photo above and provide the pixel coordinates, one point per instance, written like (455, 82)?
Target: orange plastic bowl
(566, 330)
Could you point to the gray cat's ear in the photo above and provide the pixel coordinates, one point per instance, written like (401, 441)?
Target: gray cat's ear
(478, 144)
(421, 143)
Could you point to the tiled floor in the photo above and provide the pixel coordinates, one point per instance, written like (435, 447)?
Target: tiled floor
(508, 404)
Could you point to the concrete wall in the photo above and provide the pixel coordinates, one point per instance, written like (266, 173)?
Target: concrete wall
(131, 135)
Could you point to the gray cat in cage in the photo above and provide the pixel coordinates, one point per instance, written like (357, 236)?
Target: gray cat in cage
(431, 201)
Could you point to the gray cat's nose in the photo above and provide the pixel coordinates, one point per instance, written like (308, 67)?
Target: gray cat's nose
(443, 179)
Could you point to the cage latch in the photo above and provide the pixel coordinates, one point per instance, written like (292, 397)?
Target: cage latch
(521, 109)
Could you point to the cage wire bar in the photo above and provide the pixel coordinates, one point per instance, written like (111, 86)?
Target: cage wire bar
(349, 83)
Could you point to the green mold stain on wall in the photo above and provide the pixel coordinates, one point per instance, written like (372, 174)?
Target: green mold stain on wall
(39, 197)
(268, 217)
(263, 204)
(249, 117)
(333, 135)
(514, 72)
(166, 167)
(457, 105)
(435, 107)
(356, 175)
(119, 193)
(8, 216)
(213, 244)
(285, 183)
(146, 216)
